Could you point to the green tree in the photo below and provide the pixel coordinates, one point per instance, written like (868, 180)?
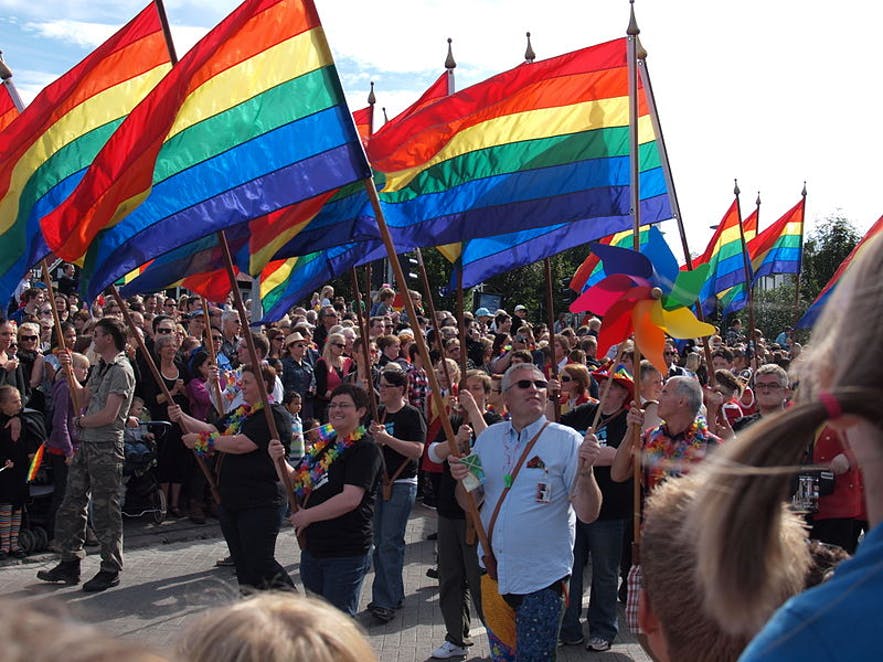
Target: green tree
(824, 251)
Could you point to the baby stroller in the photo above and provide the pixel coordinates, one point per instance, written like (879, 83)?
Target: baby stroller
(141, 491)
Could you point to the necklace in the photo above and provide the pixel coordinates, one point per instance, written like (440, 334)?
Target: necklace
(315, 464)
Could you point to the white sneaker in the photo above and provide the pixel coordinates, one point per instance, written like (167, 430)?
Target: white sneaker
(447, 651)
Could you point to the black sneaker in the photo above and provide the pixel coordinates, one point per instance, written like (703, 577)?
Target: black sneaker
(383, 614)
(67, 572)
(102, 581)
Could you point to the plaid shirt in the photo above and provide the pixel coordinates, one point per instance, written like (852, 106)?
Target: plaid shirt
(418, 387)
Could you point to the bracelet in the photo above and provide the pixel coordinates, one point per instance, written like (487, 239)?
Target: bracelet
(205, 444)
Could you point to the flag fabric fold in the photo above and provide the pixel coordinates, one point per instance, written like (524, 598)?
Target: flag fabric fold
(251, 120)
(8, 110)
(45, 152)
(725, 255)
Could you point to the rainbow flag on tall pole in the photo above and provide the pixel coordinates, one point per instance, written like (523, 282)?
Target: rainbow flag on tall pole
(252, 119)
(815, 309)
(750, 224)
(45, 152)
(726, 256)
(10, 102)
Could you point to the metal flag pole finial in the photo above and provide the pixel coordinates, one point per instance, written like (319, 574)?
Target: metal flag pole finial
(529, 55)
(633, 29)
(736, 190)
(450, 62)
(371, 98)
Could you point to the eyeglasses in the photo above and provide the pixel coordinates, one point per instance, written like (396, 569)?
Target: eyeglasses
(47, 312)
(670, 353)
(339, 345)
(217, 339)
(164, 331)
(566, 379)
(527, 383)
(28, 338)
(771, 386)
(382, 385)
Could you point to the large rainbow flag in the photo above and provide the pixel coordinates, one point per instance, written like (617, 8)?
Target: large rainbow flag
(8, 109)
(45, 152)
(726, 256)
(543, 144)
(811, 315)
(251, 120)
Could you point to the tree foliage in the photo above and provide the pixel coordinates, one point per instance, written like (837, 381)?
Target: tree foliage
(824, 251)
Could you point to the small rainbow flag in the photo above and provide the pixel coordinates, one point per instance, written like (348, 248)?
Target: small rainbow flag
(36, 461)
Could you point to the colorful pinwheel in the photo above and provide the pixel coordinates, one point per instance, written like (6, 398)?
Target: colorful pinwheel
(646, 294)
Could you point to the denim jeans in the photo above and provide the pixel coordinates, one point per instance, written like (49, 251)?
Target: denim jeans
(390, 520)
(337, 579)
(602, 540)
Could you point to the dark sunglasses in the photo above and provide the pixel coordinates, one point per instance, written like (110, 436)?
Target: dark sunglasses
(217, 339)
(27, 337)
(566, 379)
(164, 331)
(527, 383)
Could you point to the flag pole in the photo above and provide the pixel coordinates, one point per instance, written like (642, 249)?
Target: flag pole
(161, 383)
(669, 181)
(56, 318)
(210, 345)
(553, 368)
(427, 364)
(471, 506)
(281, 469)
(6, 79)
(633, 40)
(800, 258)
(746, 265)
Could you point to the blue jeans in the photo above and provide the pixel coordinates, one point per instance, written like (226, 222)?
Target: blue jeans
(390, 520)
(337, 579)
(602, 540)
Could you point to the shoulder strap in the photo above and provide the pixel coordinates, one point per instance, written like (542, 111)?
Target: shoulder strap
(524, 454)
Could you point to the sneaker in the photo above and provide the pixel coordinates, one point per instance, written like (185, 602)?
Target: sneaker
(447, 651)
(67, 572)
(598, 645)
(102, 581)
(432, 573)
(226, 562)
(571, 642)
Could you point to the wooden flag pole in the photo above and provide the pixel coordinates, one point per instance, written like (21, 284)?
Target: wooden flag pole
(160, 382)
(213, 356)
(800, 263)
(56, 318)
(461, 308)
(746, 265)
(553, 368)
(281, 468)
(471, 506)
(427, 362)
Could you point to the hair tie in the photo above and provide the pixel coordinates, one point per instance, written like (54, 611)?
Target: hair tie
(831, 405)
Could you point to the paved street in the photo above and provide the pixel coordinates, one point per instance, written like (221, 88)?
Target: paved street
(170, 578)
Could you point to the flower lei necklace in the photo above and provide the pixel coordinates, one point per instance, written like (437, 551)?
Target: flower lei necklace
(205, 445)
(315, 464)
(666, 456)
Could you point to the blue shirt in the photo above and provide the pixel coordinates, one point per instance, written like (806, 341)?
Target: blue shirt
(837, 620)
(532, 540)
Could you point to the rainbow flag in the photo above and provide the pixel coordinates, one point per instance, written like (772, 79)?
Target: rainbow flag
(543, 144)
(811, 315)
(364, 119)
(749, 225)
(36, 461)
(778, 249)
(726, 256)
(45, 152)
(591, 271)
(251, 120)
(8, 109)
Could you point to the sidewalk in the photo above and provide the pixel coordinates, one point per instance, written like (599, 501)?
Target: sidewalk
(170, 578)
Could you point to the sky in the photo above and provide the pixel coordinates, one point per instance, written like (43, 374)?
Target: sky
(772, 93)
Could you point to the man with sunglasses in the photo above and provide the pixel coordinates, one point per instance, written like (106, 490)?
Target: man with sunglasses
(534, 529)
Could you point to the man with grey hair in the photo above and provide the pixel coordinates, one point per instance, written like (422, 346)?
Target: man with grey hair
(231, 327)
(538, 478)
(681, 439)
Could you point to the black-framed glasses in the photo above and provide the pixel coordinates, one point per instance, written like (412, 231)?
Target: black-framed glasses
(540, 384)
(767, 386)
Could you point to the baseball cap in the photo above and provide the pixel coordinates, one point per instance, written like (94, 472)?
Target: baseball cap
(482, 312)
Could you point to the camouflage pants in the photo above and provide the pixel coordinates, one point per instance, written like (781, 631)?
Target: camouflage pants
(97, 469)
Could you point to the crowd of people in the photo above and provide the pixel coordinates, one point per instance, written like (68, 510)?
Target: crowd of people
(530, 453)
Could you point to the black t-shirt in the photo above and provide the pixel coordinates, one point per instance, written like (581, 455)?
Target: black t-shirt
(349, 534)
(446, 500)
(617, 497)
(249, 480)
(406, 424)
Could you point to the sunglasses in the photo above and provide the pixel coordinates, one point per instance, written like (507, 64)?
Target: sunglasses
(29, 338)
(670, 353)
(164, 331)
(339, 345)
(527, 383)
(46, 312)
(566, 379)
(217, 339)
